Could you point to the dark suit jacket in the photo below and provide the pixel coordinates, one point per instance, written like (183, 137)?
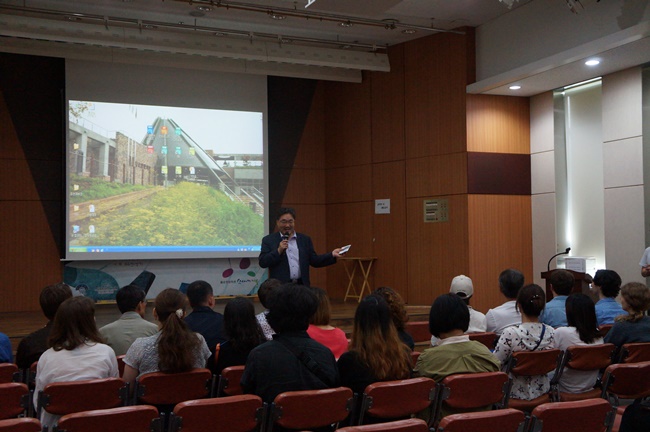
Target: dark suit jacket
(278, 265)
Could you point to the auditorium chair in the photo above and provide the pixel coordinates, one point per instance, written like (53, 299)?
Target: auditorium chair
(531, 363)
(634, 352)
(414, 357)
(625, 381)
(408, 425)
(136, 418)
(582, 358)
(593, 415)
(15, 400)
(61, 398)
(604, 329)
(9, 373)
(488, 339)
(23, 424)
(310, 409)
(159, 388)
(229, 381)
(505, 420)
(392, 400)
(419, 331)
(120, 364)
(240, 413)
(472, 391)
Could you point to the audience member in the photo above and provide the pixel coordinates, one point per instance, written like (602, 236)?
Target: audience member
(506, 315)
(645, 263)
(120, 334)
(561, 283)
(530, 335)
(320, 329)
(398, 312)
(33, 345)
(243, 331)
(6, 354)
(634, 326)
(203, 319)
(607, 285)
(376, 352)
(77, 351)
(292, 360)
(263, 294)
(463, 287)
(582, 330)
(455, 353)
(175, 348)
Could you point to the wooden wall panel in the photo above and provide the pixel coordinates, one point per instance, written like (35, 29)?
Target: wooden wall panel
(500, 237)
(347, 124)
(17, 177)
(435, 75)
(498, 124)
(389, 230)
(436, 252)
(498, 173)
(311, 151)
(349, 184)
(388, 109)
(436, 175)
(306, 186)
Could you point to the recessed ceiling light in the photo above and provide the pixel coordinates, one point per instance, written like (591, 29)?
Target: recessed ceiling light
(592, 62)
(514, 87)
(204, 8)
(409, 31)
(277, 16)
(345, 24)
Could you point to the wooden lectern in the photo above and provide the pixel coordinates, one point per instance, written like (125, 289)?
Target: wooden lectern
(580, 285)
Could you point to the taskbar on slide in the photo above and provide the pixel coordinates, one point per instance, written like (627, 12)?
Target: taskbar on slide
(159, 249)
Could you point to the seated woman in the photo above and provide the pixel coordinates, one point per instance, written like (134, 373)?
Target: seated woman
(175, 348)
(376, 352)
(78, 352)
(530, 335)
(634, 326)
(320, 329)
(398, 312)
(582, 330)
(243, 331)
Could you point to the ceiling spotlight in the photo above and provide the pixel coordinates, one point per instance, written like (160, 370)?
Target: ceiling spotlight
(514, 87)
(72, 18)
(592, 62)
(345, 24)
(204, 8)
(409, 31)
(390, 24)
(220, 34)
(277, 16)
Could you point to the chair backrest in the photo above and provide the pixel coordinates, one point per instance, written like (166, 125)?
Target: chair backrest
(240, 413)
(635, 352)
(505, 420)
(419, 331)
(594, 415)
(23, 424)
(605, 328)
(160, 388)
(229, 381)
(395, 399)
(486, 338)
(627, 380)
(8, 373)
(14, 399)
(414, 357)
(62, 398)
(530, 363)
(589, 357)
(408, 425)
(310, 409)
(137, 418)
(120, 364)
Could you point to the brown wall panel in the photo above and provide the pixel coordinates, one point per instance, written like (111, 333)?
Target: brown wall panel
(349, 184)
(498, 173)
(306, 186)
(436, 175)
(435, 75)
(311, 152)
(436, 251)
(499, 124)
(388, 109)
(500, 237)
(18, 179)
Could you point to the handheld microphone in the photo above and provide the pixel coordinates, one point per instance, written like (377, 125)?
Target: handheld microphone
(285, 237)
(548, 266)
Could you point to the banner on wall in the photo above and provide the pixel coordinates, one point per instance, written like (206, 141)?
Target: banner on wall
(100, 280)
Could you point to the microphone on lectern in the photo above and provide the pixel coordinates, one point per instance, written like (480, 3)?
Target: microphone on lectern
(548, 266)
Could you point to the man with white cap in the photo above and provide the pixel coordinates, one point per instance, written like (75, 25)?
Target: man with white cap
(463, 287)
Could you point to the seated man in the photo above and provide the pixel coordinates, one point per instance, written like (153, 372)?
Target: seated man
(203, 319)
(292, 360)
(561, 284)
(607, 284)
(33, 345)
(120, 334)
(510, 282)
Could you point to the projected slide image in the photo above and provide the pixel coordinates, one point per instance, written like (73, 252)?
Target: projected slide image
(164, 179)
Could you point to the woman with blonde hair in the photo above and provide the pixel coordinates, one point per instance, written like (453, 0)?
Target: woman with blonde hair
(175, 348)
(635, 326)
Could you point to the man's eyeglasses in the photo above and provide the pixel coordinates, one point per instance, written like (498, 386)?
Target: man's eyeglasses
(286, 221)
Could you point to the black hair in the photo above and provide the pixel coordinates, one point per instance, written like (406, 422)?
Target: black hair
(241, 326)
(448, 312)
(51, 298)
(285, 210)
(129, 297)
(562, 281)
(265, 290)
(510, 282)
(198, 292)
(290, 308)
(609, 282)
(581, 314)
(531, 300)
